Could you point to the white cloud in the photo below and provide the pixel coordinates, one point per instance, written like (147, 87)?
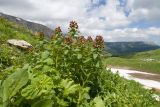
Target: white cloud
(60, 12)
(114, 17)
(108, 20)
(133, 34)
(145, 10)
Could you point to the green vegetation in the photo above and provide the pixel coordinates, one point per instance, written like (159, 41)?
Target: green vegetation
(144, 61)
(155, 54)
(11, 56)
(9, 30)
(65, 72)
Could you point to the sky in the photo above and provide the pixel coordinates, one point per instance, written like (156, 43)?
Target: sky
(115, 20)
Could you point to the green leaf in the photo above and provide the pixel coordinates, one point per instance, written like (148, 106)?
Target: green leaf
(46, 68)
(41, 84)
(79, 56)
(49, 61)
(97, 65)
(66, 52)
(45, 55)
(95, 56)
(62, 103)
(77, 50)
(1, 89)
(87, 60)
(69, 86)
(43, 103)
(14, 83)
(98, 102)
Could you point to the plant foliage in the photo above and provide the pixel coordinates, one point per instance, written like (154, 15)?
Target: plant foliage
(67, 71)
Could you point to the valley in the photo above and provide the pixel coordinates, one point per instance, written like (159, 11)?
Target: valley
(148, 61)
(67, 71)
(148, 80)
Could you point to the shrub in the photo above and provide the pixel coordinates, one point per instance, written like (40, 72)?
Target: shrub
(68, 72)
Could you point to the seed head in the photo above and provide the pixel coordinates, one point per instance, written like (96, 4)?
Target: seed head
(98, 42)
(68, 40)
(89, 39)
(73, 25)
(81, 39)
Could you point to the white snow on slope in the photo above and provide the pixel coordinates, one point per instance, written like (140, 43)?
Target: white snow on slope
(146, 82)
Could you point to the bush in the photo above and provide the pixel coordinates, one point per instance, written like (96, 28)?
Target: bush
(68, 72)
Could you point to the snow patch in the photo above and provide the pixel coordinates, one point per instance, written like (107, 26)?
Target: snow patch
(146, 82)
(18, 19)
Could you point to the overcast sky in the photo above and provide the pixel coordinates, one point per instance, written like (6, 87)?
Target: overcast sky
(116, 20)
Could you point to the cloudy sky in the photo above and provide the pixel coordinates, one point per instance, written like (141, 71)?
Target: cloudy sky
(116, 20)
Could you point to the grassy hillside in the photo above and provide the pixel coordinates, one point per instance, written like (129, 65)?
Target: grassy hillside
(34, 27)
(12, 56)
(154, 54)
(10, 30)
(64, 72)
(145, 61)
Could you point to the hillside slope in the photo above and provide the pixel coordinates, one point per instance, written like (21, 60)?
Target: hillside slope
(154, 54)
(148, 61)
(35, 27)
(11, 55)
(10, 30)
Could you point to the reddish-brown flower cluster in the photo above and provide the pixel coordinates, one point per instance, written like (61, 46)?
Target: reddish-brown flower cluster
(57, 33)
(73, 24)
(89, 39)
(40, 35)
(81, 40)
(58, 30)
(68, 40)
(98, 42)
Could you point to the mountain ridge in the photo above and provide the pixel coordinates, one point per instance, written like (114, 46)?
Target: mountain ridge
(123, 48)
(32, 26)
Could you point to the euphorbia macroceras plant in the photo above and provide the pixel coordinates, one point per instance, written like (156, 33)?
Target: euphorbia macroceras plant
(65, 72)
(71, 59)
(77, 57)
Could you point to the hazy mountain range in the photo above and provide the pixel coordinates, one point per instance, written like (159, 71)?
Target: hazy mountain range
(122, 48)
(115, 48)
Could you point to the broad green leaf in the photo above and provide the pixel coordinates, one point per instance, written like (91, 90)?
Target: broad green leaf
(14, 83)
(98, 102)
(43, 103)
(69, 86)
(79, 56)
(83, 94)
(41, 84)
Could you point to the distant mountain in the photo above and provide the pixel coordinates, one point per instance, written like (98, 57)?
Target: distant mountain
(34, 27)
(123, 48)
